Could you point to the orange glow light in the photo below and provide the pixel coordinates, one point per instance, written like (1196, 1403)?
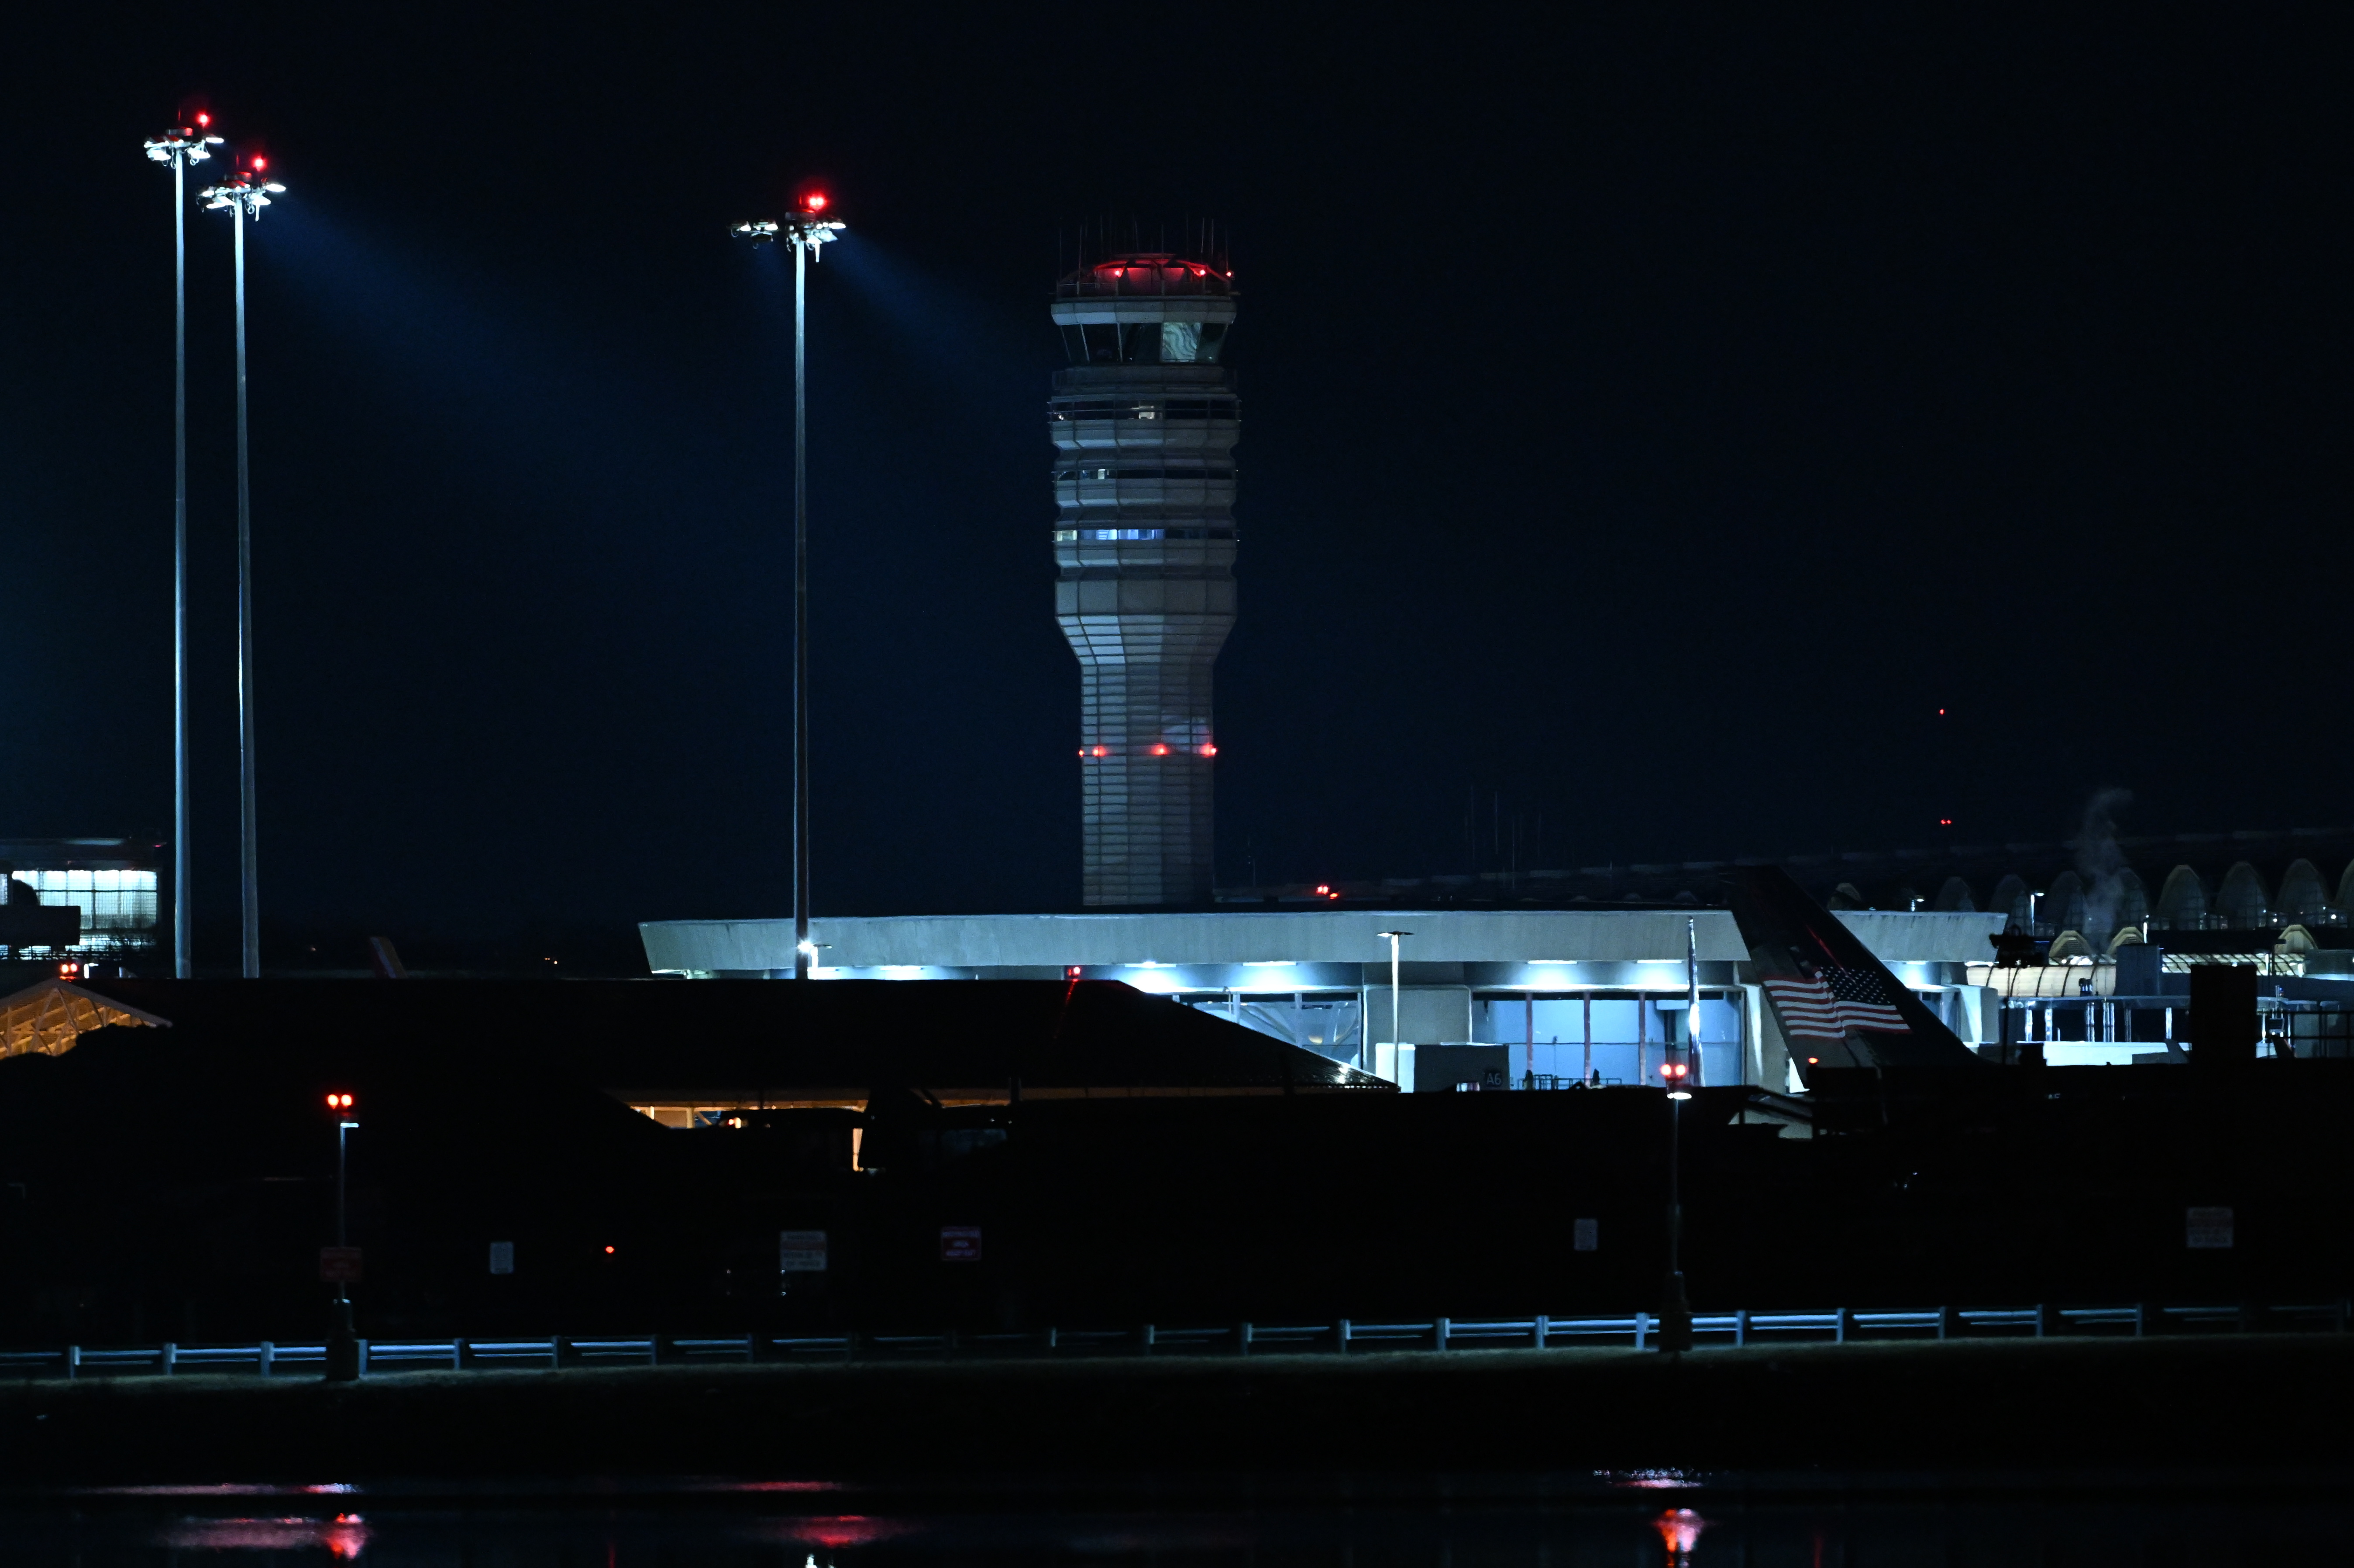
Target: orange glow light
(608, 1251)
(1160, 751)
(1209, 751)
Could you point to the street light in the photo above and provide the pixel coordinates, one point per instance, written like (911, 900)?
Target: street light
(343, 1342)
(1395, 937)
(805, 230)
(180, 147)
(1675, 1067)
(244, 197)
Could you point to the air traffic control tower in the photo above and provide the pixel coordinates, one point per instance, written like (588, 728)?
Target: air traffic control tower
(1144, 424)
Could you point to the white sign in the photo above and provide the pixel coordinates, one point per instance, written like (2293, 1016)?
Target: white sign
(502, 1258)
(2208, 1228)
(1586, 1235)
(801, 1252)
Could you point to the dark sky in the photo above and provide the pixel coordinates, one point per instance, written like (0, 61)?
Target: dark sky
(1651, 419)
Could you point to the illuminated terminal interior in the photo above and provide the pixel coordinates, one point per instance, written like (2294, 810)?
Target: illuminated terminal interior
(114, 886)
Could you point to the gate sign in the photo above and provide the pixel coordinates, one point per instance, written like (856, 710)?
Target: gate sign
(960, 1244)
(2208, 1228)
(801, 1252)
(339, 1264)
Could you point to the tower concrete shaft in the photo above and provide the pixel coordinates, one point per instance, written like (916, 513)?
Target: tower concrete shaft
(1144, 424)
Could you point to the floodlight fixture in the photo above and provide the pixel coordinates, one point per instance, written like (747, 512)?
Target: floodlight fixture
(178, 148)
(244, 197)
(247, 191)
(806, 232)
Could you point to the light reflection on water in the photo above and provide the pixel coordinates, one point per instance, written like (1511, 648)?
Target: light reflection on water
(1634, 1520)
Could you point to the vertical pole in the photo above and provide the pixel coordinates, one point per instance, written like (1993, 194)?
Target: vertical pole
(343, 1347)
(250, 895)
(801, 613)
(1692, 997)
(183, 959)
(1394, 999)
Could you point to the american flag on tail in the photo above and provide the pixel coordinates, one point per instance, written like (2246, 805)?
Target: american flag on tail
(1825, 1006)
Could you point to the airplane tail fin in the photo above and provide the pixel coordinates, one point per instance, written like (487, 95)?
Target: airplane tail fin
(1837, 1004)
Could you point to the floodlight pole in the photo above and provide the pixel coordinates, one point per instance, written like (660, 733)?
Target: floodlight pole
(180, 147)
(248, 864)
(243, 198)
(802, 952)
(805, 231)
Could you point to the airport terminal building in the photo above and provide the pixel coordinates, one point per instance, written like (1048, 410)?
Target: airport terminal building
(1484, 998)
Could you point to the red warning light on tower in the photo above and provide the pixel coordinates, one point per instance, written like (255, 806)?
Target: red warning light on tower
(815, 201)
(203, 120)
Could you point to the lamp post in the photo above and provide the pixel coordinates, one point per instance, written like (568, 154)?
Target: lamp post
(343, 1342)
(1675, 1067)
(1394, 938)
(805, 230)
(179, 147)
(243, 197)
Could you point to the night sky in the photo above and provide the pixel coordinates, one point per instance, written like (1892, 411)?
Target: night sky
(1650, 422)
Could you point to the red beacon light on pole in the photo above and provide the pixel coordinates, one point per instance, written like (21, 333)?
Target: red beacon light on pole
(340, 1104)
(813, 202)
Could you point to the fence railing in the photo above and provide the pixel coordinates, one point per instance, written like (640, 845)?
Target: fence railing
(1342, 1336)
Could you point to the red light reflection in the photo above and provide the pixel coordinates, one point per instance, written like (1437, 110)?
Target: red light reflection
(843, 1530)
(343, 1536)
(1680, 1531)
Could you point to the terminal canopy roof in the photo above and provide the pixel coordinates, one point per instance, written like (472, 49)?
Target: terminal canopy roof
(47, 1017)
(755, 1043)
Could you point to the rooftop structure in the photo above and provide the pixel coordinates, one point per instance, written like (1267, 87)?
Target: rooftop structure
(2252, 880)
(1501, 998)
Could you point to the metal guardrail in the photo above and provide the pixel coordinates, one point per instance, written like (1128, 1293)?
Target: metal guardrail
(1343, 1336)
